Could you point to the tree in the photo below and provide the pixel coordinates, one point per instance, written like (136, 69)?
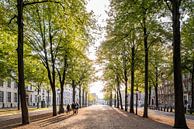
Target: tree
(123, 13)
(112, 59)
(157, 55)
(187, 55)
(174, 6)
(50, 40)
(62, 78)
(35, 75)
(21, 84)
(47, 45)
(80, 72)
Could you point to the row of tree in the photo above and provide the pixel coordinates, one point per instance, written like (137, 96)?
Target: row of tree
(53, 37)
(138, 45)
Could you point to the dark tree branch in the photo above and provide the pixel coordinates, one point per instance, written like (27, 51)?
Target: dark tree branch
(15, 16)
(38, 2)
(168, 5)
(60, 79)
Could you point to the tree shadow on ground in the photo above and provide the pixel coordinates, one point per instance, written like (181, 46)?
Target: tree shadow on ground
(54, 120)
(150, 122)
(43, 120)
(16, 122)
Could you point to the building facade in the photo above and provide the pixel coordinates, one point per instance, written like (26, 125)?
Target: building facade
(166, 92)
(9, 95)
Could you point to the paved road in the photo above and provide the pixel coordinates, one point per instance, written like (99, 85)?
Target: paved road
(97, 117)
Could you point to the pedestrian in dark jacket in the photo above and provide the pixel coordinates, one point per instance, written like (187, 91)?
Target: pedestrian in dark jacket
(68, 108)
(73, 107)
(76, 107)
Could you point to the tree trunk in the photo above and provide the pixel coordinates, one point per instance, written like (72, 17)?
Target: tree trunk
(132, 80)
(111, 98)
(18, 98)
(62, 81)
(125, 79)
(54, 101)
(80, 101)
(52, 79)
(86, 98)
(180, 121)
(73, 86)
(21, 84)
(48, 98)
(120, 97)
(38, 96)
(126, 88)
(119, 91)
(145, 113)
(150, 94)
(117, 98)
(156, 89)
(83, 100)
(61, 108)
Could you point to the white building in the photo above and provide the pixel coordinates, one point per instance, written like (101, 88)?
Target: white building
(9, 95)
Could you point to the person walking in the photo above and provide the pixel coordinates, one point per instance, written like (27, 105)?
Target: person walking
(68, 108)
(73, 107)
(76, 107)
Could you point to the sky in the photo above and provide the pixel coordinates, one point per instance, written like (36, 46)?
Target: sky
(99, 8)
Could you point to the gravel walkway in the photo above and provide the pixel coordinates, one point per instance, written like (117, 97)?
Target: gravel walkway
(96, 117)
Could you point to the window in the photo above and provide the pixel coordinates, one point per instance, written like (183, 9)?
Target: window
(8, 96)
(1, 96)
(15, 97)
(1, 83)
(9, 83)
